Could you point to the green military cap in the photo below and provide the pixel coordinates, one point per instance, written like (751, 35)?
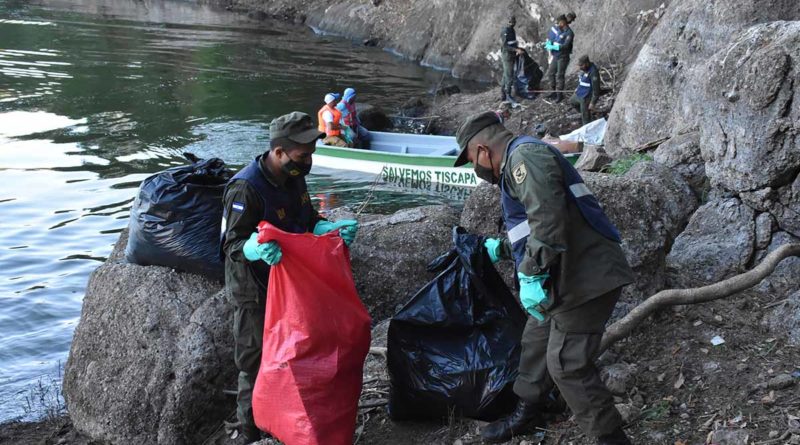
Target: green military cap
(472, 126)
(295, 126)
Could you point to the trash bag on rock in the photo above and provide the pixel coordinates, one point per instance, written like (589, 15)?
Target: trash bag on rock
(455, 346)
(176, 218)
(316, 338)
(527, 76)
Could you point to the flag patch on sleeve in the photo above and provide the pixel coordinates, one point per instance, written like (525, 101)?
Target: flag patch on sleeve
(238, 207)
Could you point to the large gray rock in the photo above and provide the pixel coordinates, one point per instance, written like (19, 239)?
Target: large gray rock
(649, 204)
(667, 92)
(718, 242)
(784, 319)
(150, 357)
(750, 119)
(391, 253)
(463, 36)
(593, 158)
(681, 154)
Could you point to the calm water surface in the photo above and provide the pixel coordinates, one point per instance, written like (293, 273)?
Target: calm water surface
(97, 95)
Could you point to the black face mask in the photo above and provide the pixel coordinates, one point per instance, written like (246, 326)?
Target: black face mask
(295, 170)
(485, 173)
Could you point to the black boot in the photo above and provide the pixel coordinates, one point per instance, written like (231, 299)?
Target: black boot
(523, 420)
(618, 437)
(559, 97)
(503, 97)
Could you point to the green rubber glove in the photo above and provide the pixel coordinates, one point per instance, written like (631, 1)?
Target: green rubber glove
(269, 252)
(532, 294)
(494, 247)
(347, 229)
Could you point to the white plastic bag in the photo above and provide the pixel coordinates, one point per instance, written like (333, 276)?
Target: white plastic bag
(591, 133)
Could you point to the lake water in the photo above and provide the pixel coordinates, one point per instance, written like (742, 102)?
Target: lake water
(97, 95)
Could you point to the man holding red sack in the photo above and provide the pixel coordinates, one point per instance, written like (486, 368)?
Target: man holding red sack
(271, 188)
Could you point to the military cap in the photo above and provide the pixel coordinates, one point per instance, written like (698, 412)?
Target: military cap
(472, 126)
(295, 126)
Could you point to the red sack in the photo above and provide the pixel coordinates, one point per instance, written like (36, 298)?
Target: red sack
(316, 338)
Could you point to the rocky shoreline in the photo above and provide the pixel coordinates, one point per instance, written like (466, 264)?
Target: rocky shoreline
(708, 107)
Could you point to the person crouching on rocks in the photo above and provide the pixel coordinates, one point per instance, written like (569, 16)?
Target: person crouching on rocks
(571, 271)
(271, 188)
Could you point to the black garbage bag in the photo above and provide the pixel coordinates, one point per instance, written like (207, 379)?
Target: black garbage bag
(527, 76)
(176, 218)
(455, 346)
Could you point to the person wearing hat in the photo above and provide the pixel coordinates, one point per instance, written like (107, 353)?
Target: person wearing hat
(585, 96)
(559, 43)
(509, 50)
(329, 119)
(270, 188)
(347, 106)
(570, 268)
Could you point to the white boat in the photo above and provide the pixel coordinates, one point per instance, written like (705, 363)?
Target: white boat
(402, 158)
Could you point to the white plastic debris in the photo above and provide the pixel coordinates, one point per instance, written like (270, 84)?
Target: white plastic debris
(591, 133)
(717, 340)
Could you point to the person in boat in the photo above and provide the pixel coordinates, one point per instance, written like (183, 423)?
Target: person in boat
(571, 271)
(509, 50)
(330, 121)
(559, 42)
(585, 96)
(347, 106)
(271, 188)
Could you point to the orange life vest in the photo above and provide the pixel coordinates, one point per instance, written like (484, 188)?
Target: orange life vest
(337, 117)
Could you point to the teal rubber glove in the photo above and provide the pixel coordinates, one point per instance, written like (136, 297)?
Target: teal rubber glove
(556, 46)
(269, 252)
(347, 229)
(494, 247)
(548, 46)
(532, 293)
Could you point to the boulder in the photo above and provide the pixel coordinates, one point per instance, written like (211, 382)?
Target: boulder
(784, 320)
(150, 357)
(391, 254)
(593, 158)
(748, 117)
(681, 154)
(650, 205)
(667, 90)
(718, 242)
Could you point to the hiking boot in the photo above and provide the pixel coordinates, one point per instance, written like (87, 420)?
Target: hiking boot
(503, 97)
(523, 420)
(618, 437)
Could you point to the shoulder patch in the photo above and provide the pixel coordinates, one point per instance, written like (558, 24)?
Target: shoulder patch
(519, 172)
(237, 207)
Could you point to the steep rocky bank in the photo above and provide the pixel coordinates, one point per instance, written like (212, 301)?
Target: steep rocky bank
(462, 37)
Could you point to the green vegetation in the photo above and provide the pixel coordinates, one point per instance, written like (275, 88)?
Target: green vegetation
(621, 166)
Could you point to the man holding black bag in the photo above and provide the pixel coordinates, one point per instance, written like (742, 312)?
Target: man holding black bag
(571, 271)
